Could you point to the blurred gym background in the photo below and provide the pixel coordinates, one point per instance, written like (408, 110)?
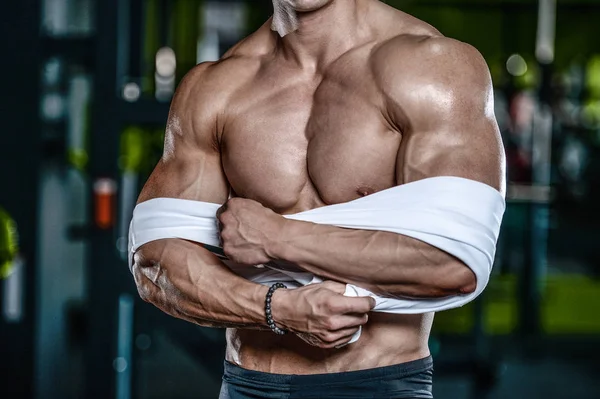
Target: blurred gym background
(87, 87)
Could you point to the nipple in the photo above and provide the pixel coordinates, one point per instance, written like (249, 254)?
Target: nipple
(363, 191)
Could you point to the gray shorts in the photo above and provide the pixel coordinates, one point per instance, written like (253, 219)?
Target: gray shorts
(412, 380)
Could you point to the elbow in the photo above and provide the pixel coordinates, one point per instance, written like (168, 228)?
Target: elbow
(141, 283)
(470, 284)
(457, 279)
(146, 287)
(149, 275)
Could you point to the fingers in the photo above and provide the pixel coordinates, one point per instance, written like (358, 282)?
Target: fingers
(219, 214)
(341, 330)
(360, 304)
(222, 209)
(340, 322)
(341, 343)
(349, 321)
(329, 340)
(340, 338)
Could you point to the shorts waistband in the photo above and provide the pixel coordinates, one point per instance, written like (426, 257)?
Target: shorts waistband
(398, 370)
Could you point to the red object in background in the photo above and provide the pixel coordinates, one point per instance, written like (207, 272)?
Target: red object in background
(105, 192)
(522, 108)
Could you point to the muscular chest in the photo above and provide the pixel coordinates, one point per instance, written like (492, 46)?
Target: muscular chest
(299, 145)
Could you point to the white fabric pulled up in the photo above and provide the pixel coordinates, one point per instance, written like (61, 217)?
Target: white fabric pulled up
(456, 215)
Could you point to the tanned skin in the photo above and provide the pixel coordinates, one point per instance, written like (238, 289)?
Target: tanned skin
(360, 98)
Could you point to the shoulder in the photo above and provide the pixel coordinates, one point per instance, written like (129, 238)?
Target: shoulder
(233, 69)
(221, 77)
(431, 67)
(208, 88)
(428, 48)
(203, 95)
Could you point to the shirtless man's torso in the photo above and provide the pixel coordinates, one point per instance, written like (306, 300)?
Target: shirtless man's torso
(361, 98)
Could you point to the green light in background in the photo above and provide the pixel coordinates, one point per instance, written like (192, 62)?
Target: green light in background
(8, 243)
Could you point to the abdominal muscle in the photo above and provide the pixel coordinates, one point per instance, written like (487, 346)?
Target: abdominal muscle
(387, 339)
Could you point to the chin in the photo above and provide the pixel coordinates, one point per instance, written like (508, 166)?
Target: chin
(307, 5)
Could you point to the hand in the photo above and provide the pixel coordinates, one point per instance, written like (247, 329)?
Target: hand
(246, 229)
(320, 314)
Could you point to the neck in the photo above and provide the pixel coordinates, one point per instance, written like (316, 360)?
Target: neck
(317, 37)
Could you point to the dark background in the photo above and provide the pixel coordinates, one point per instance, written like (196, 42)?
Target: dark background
(87, 85)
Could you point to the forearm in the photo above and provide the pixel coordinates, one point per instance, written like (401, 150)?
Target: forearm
(188, 282)
(386, 263)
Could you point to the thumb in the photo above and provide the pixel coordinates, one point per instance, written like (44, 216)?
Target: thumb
(372, 302)
(360, 304)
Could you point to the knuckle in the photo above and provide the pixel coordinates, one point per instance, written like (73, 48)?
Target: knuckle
(331, 304)
(224, 218)
(333, 325)
(328, 284)
(233, 202)
(333, 286)
(329, 337)
(328, 324)
(225, 235)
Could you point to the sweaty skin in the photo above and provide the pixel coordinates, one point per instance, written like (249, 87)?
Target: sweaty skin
(360, 98)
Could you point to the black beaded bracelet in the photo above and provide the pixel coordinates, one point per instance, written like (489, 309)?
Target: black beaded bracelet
(270, 321)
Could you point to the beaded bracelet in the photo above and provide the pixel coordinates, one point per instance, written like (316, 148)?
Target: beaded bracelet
(270, 321)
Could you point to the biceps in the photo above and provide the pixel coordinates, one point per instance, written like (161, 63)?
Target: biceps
(472, 150)
(198, 177)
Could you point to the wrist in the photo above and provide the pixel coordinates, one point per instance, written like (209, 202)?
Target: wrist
(257, 310)
(280, 308)
(274, 246)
